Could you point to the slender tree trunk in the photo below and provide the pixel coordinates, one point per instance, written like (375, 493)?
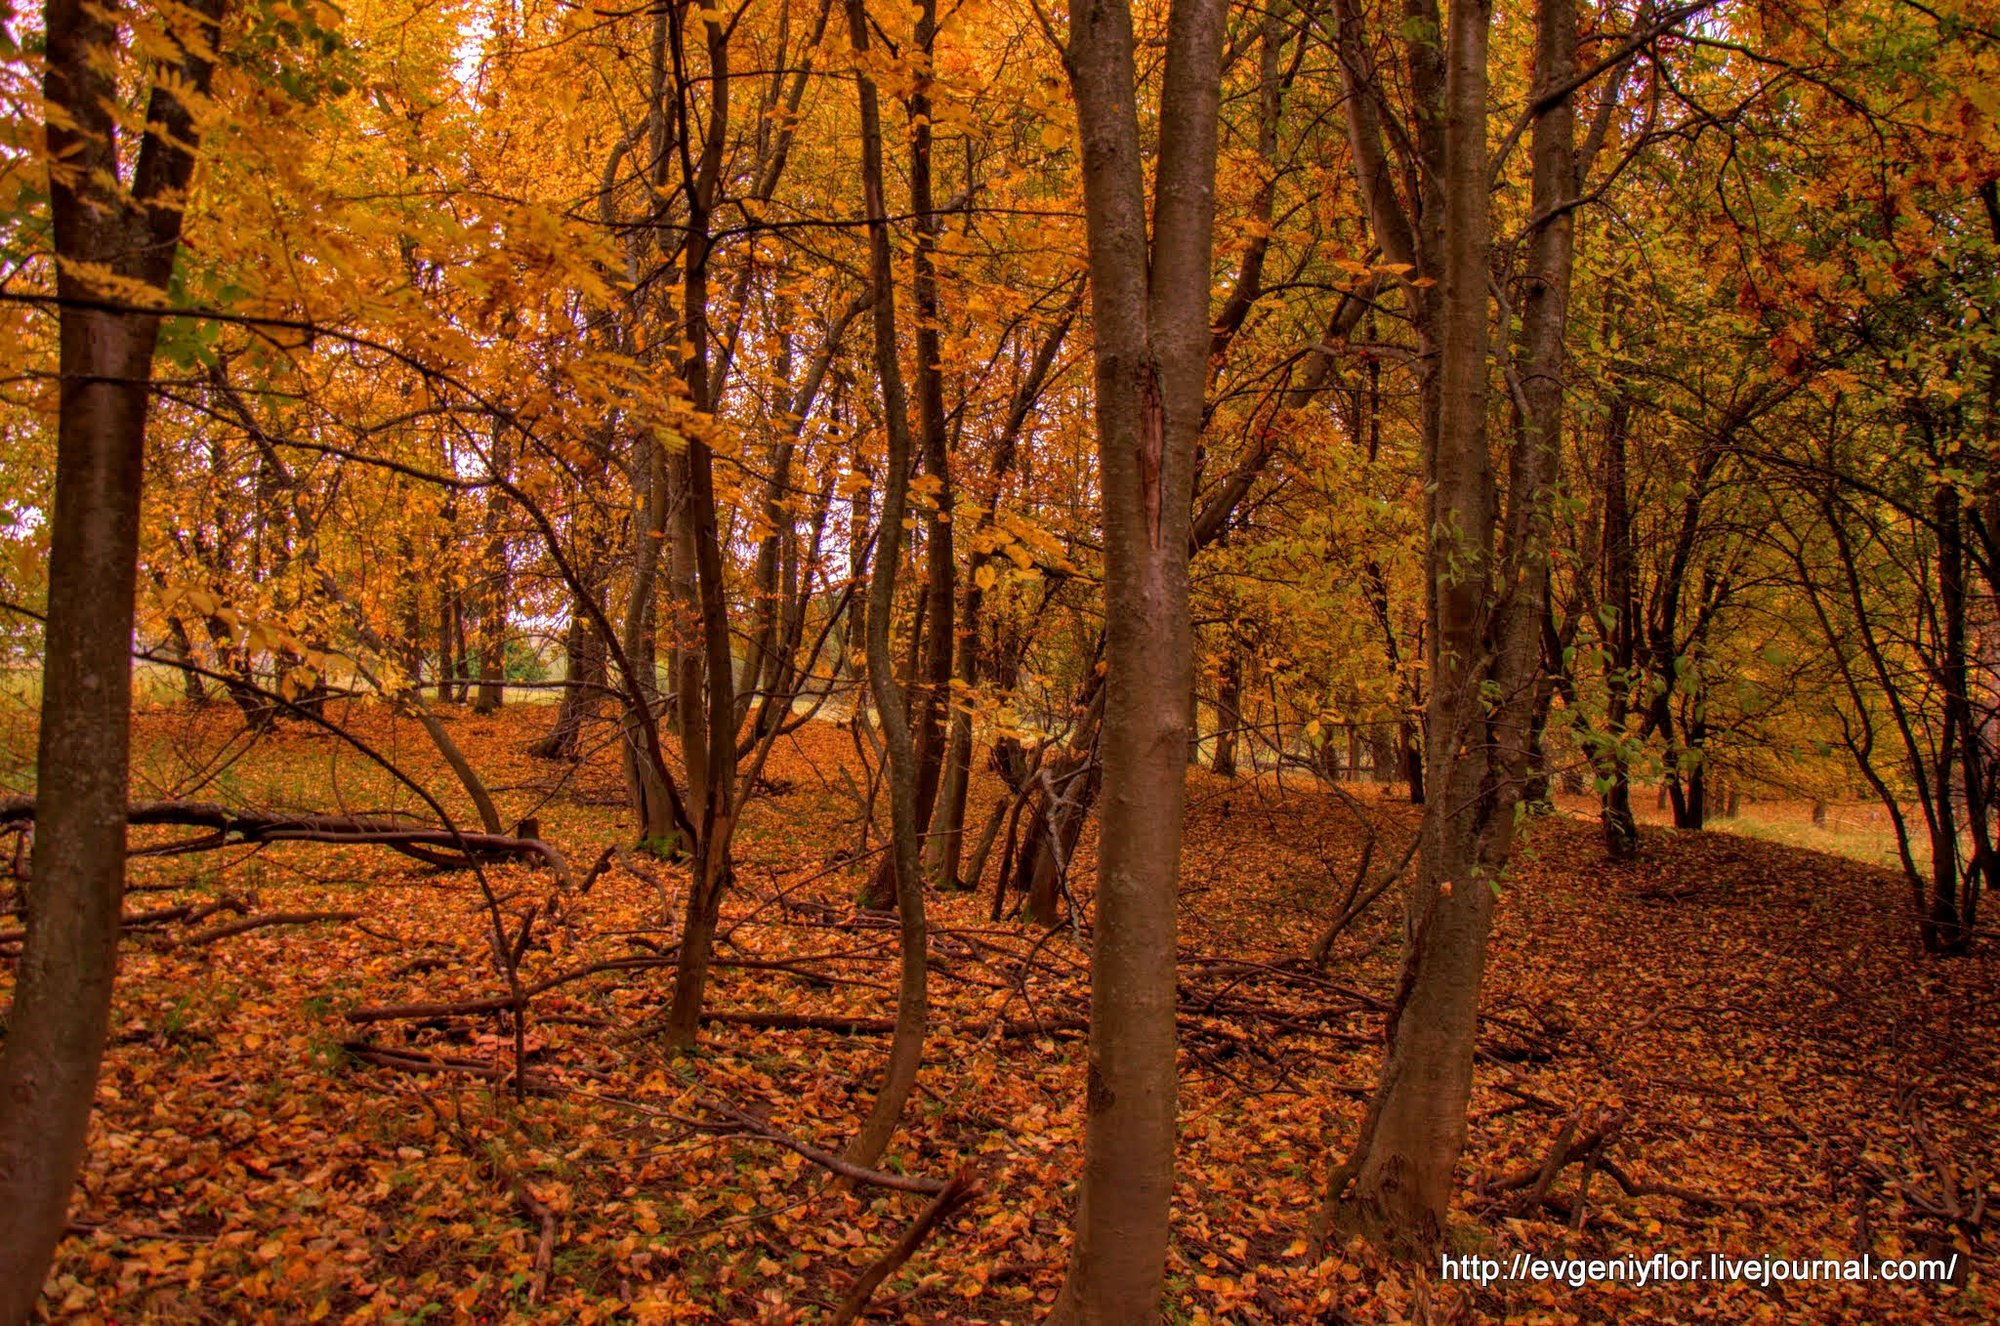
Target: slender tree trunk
(711, 760)
(645, 791)
(1961, 741)
(906, 1049)
(496, 580)
(1150, 308)
(948, 831)
(940, 591)
(1621, 830)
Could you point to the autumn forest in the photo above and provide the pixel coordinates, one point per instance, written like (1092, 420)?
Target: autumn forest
(1192, 661)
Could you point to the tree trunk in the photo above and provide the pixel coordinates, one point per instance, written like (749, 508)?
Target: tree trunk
(1486, 612)
(932, 642)
(710, 675)
(1621, 830)
(1150, 307)
(69, 958)
(584, 671)
(493, 602)
(906, 846)
(1403, 1165)
(645, 791)
(1228, 714)
(948, 830)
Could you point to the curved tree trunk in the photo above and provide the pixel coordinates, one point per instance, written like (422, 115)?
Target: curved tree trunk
(906, 1048)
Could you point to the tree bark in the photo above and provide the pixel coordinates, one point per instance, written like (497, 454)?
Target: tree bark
(1403, 1165)
(1150, 310)
(710, 757)
(69, 958)
(906, 846)
(1486, 611)
(933, 644)
(1228, 717)
(496, 583)
(1621, 830)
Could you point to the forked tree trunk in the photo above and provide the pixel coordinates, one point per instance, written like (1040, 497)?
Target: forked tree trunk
(1150, 309)
(1486, 610)
(1403, 1165)
(708, 692)
(69, 958)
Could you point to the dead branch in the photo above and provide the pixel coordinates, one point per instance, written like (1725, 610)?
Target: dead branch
(409, 1061)
(960, 1190)
(545, 1246)
(499, 1003)
(597, 868)
(745, 1122)
(232, 828)
(852, 1026)
(249, 923)
(1583, 1140)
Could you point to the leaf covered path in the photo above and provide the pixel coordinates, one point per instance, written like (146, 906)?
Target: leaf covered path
(1733, 1021)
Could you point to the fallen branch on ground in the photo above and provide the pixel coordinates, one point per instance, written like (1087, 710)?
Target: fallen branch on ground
(959, 1191)
(409, 1061)
(440, 847)
(249, 923)
(1584, 1139)
(545, 1246)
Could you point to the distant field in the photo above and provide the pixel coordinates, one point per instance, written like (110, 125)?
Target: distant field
(1859, 831)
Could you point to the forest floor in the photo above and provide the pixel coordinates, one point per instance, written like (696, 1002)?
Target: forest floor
(1747, 1027)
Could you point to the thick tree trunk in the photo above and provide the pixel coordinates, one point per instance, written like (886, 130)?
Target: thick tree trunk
(69, 958)
(62, 998)
(1403, 1166)
(1150, 307)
